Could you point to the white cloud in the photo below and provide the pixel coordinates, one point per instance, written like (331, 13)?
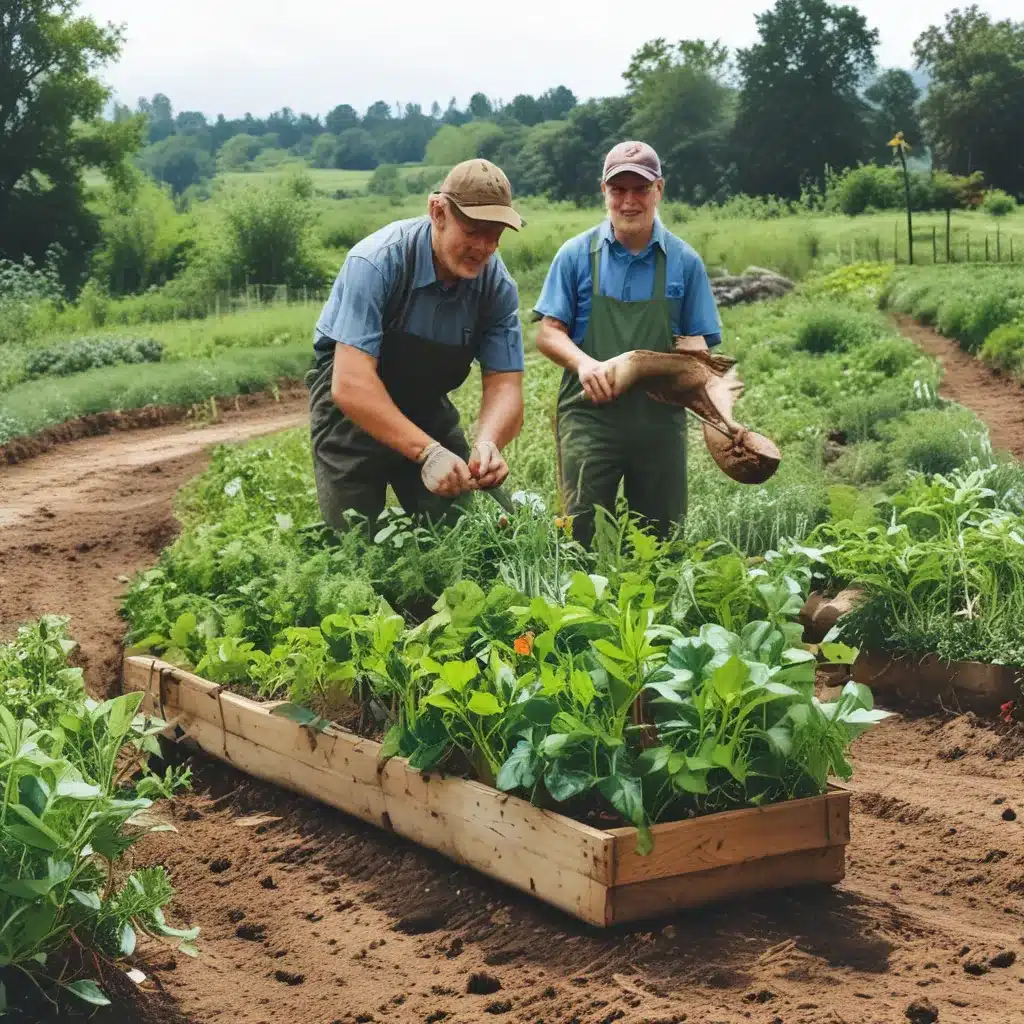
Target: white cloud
(233, 56)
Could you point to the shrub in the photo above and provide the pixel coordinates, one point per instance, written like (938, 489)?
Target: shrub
(999, 203)
(81, 354)
(832, 330)
(1004, 348)
(936, 441)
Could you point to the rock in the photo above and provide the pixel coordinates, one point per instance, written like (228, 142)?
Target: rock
(921, 1011)
(1009, 814)
(754, 284)
(1005, 958)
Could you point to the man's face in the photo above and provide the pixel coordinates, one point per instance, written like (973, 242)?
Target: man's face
(632, 201)
(464, 246)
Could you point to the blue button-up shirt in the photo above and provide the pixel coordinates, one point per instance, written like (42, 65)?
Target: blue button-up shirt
(569, 285)
(482, 311)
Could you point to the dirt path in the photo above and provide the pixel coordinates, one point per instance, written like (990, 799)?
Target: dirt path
(310, 917)
(996, 399)
(79, 519)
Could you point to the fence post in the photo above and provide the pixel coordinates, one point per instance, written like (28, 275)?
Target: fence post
(999, 245)
(968, 245)
(878, 248)
(895, 243)
(935, 245)
(986, 247)
(1011, 248)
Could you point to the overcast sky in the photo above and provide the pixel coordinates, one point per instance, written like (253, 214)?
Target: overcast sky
(233, 56)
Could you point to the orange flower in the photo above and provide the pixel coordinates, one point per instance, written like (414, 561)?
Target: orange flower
(524, 644)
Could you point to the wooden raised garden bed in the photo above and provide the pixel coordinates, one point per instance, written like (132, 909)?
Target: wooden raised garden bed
(592, 874)
(957, 685)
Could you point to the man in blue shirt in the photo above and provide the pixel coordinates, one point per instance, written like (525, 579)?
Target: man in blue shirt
(414, 305)
(627, 284)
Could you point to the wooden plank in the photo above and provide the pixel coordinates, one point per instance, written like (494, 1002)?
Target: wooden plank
(733, 837)
(503, 837)
(360, 800)
(660, 896)
(342, 752)
(561, 841)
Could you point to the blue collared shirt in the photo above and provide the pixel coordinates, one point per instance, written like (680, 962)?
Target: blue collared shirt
(483, 311)
(569, 285)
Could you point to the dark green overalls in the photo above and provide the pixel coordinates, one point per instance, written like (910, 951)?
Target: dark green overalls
(352, 469)
(632, 439)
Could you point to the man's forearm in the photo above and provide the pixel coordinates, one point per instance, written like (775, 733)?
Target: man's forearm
(501, 409)
(367, 404)
(554, 342)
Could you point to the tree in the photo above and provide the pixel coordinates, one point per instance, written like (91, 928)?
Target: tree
(682, 108)
(798, 109)
(377, 114)
(555, 104)
(480, 106)
(160, 117)
(452, 145)
(975, 104)
(323, 150)
(341, 118)
(238, 151)
(356, 151)
(179, 161)
(50, 128)
(893, 96)
(526, 110)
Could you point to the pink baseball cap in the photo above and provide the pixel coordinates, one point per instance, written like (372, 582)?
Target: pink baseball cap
(637, 157)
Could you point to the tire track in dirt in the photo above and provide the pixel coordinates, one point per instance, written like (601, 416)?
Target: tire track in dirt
(996, 399)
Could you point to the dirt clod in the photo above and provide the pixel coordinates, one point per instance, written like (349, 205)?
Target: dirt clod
(482, 984)
(289, 977)
(1004, 958)
(922, 1011)
(251, 932)
(220, 865)
(268, 883)
(499, 1006)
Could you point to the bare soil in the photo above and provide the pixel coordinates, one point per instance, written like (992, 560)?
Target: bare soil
(310, 917)
(997, 398)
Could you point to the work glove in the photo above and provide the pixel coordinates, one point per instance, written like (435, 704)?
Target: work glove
(487, 465)
(443, 473)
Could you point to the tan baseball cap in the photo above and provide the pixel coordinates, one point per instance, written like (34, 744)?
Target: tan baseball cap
(482, 192)
(637, 157)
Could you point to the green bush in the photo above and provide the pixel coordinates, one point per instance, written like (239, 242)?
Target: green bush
(999, 203)
(826, 329)
(1004, 348)
(936, 441)
(82, 354)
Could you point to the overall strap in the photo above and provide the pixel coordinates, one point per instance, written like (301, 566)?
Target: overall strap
(660, 273)
(400, 294)
(595, 261)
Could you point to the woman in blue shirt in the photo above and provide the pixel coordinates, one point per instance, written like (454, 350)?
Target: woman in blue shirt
(627, 284)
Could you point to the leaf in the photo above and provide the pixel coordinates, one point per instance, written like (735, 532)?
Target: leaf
(87, 899)
(729, 678)
(861, 696)
(440, 700)
(391, 745)
(520, 770)
(653, 760)
(89, 992)
(37, 823)
(25, 888)
(34, 793)
(71, 789)
(625, 795)
(607, 648)
(582, 687)
(690, 781)
(781, 739)
(182, 629)
(297, 713)
(665, 692)
(839, 654)
(189, 949)
(483, 703)
(863, 716)
(564, 784)
(127, 940)
(122, 713)
(426, 756)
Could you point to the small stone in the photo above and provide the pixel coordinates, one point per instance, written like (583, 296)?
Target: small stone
(999, 800)
(669, 931)
(1009, 814)
(921, 1011)
(289, 978)
(1004, 958)
(975, 967)
(268, 883)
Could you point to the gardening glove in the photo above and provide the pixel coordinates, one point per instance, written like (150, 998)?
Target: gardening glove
(487, 465)
(443, 473)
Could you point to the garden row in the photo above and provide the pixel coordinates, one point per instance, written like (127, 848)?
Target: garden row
(981, 308)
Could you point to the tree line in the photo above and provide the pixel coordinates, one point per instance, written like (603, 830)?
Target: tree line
(778, 118)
